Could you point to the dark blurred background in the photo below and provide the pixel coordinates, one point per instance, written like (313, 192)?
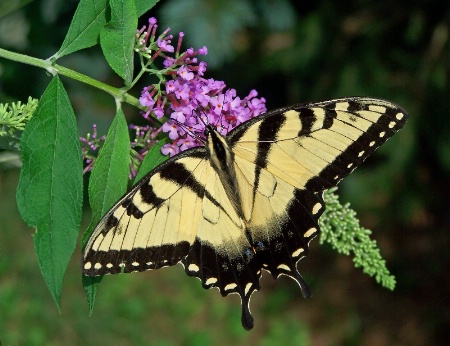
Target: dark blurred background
(291, 52)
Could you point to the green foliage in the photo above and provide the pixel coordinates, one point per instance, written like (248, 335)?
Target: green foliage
(90, 18)
(84, 30)
(340, 228)
(117, 38)
(109, 177)
(13, 118)
(143, 6)
(49, 195)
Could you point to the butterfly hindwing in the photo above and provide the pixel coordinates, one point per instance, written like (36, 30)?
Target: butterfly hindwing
(281, 219)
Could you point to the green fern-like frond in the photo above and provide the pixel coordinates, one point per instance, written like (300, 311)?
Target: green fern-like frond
(341, 229)
(13, 119)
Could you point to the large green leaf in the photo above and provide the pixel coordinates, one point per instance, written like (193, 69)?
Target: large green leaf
(50, 189)
(118, 36)
(84, 30)
(108, 182)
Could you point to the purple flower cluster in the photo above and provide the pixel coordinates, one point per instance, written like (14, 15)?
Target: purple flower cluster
(205, 98)
(185, 96)
(183, 100)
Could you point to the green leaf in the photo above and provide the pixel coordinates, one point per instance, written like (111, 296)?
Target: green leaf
(118, 37)
(153, 158)
(50, 191)
(143, 6)
(84, 30)
(90, 284)
(108, 182)
(109, 177)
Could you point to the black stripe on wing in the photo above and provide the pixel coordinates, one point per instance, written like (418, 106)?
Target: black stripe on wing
(135, 260)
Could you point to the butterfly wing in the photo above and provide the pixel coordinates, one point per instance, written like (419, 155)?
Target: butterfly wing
(281, 219)
(155, 223)
(179, 212)
(286, 158)
(314, 146)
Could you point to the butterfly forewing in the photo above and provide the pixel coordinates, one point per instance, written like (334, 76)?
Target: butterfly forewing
(331, 139)
(154, 224)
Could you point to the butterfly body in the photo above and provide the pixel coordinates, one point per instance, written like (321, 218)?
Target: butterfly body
(244, 202)
(222, 159)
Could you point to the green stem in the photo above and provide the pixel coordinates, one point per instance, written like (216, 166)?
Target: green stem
(23, 58)
(117, 93)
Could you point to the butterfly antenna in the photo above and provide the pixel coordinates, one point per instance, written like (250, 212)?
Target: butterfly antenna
(186, 128)
(221, 116)
(204, 113)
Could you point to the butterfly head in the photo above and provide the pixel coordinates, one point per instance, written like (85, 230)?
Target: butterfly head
(216, 144)
(218, 148)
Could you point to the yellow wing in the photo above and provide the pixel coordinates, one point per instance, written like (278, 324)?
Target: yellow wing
(178, 213)
(314, 146)
(286, 158)
(153, 225)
